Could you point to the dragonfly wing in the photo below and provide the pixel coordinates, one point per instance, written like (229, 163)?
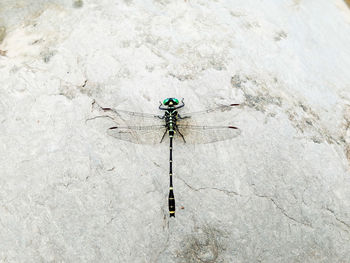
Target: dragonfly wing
(130, 118)
(138, 134)
(221, 108)
(207, 134)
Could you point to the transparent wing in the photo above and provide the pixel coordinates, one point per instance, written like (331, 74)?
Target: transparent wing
(132, 113)
(139, 134)
(131, 118)
(207, 134)
(221, 108)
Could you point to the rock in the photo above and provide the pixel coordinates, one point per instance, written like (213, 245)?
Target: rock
(278, 192)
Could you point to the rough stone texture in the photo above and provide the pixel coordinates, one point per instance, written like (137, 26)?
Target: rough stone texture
(280, 192)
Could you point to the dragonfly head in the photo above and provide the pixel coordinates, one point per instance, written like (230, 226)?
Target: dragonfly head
(171, 102)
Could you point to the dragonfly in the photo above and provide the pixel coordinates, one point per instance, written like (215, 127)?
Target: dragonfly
(147, 128)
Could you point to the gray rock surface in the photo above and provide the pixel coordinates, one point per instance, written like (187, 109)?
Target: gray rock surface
(280, 192)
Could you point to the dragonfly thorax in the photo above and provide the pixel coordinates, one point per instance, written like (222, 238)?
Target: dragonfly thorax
(171, 116)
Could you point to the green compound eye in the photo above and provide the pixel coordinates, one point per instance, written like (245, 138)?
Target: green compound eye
(168, 100)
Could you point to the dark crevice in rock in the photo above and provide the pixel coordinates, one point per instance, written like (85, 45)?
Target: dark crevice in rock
(339, 220)
(227, 192)
(283, 211)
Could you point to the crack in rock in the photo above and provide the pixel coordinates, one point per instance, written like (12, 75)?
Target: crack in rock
(227, 192)
(282, 210)
(339, 220)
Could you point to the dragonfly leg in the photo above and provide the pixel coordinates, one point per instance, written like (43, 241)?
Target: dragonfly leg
(180, 106)
(181, 118)
(181, 135)
(163, 136)
(160, 106)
